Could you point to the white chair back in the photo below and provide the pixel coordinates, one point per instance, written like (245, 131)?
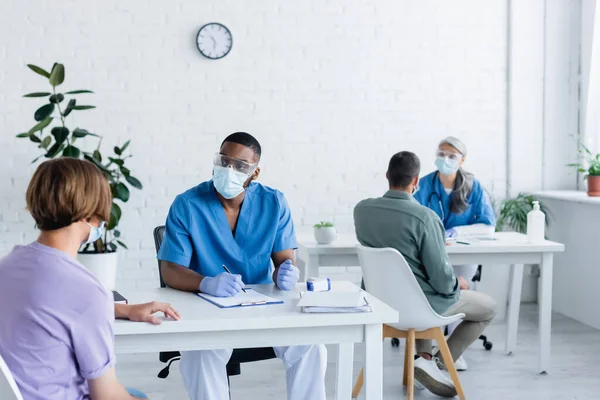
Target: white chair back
(388, 277)
(8, 387)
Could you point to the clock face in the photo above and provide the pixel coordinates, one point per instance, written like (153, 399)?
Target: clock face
(214, 41)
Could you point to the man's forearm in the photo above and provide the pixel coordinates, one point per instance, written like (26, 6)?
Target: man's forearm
(179, 277)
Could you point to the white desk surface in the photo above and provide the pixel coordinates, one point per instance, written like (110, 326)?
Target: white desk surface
(507, 242)
(198, 315)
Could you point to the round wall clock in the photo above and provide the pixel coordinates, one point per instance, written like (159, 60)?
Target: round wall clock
(214, 40)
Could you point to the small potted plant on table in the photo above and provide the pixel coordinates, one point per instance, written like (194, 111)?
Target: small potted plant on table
(325, 232)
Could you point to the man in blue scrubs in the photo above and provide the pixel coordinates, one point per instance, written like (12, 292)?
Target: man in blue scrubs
(233, 221)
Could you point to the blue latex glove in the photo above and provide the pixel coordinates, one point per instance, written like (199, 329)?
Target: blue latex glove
(451, 233)
(287, 275)
(222, 285)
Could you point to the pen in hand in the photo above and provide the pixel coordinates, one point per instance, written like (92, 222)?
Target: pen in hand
(229, 272)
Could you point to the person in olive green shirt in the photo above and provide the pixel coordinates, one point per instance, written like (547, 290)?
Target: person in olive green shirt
(398, 221)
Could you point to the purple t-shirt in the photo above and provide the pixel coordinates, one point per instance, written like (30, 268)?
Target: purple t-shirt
(56, 328)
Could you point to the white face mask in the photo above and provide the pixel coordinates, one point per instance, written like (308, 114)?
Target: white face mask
(228, 182)
(96, 232)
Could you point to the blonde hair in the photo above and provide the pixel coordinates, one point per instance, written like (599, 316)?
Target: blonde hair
(67, 190)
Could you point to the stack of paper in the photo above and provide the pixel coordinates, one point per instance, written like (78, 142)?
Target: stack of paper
(334, 302)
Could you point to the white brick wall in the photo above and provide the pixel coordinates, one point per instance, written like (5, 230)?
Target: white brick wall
(330, 88)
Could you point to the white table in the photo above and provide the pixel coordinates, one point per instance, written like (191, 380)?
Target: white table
(205, 326)
(509, 248)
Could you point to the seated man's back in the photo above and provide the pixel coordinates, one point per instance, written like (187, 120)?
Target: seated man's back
(398, 221)
(57, 328)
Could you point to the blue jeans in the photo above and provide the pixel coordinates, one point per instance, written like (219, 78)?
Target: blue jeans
(136, 393)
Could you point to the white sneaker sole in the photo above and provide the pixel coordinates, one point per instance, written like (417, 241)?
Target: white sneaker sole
(433, 385)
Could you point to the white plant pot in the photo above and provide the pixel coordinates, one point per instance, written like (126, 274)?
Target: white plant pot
(325, 235)
(102, 265)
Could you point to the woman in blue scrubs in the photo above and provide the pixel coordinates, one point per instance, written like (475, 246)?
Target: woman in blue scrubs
(458, 199)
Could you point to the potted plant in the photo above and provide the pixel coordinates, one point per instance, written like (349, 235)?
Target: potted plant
(54, 138)
(325, 232)
(512, 213)
(592, 171)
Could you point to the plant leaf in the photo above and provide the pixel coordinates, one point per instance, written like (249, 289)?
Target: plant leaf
(41, 125)
(122, 244)
(56, 98)
(112, 246)
(97, 155)
(54, 150)
(116, 161)
(69, 108)
(37, 94)
(96, 162)
(125, 146)
(39, 70)
(79, 133)
(57, 76)
(115, 217)
(71, 151)
(23, 135)
(117, 151)
(134, 182)
(46, 142)
(43, 112)
(83, 107)
(122, 192)
(35, 139)
(37, 158)
(117, 233)
(79, 91)
(125, 171)
(60, 134)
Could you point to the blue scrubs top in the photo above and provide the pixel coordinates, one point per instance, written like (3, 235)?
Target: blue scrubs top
(198, 235)
(432, 194)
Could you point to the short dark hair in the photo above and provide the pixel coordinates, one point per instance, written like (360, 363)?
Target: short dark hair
(245, 139)
(403, 168)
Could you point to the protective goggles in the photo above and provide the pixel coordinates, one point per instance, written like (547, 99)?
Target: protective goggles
(450, 155)
(243, 167)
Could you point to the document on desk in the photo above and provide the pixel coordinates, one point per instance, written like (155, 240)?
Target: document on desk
(334, 302)
(250, 298)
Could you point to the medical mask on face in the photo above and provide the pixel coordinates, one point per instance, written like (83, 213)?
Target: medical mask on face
(96, 232)
(446, 166)
(228, 182)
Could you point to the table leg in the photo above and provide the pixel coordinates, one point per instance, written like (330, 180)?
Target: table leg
(373, 362)
(345, 361)
(545, 311)
(514, 304)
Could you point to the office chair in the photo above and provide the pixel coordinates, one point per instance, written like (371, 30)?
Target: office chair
(390, 279)
(8, 387)
(238, 356)
(486, 343)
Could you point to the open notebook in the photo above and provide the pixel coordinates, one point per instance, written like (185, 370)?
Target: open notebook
(250, 298)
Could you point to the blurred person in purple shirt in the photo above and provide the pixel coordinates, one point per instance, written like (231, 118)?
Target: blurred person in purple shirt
(57, 334)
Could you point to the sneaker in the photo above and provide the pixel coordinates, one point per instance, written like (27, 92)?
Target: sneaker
(460, 364)
(429, 375)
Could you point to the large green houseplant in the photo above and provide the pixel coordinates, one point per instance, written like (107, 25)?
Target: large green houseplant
(589, 165)
(54, 137)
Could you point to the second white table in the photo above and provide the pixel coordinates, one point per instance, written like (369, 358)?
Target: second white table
(508, 248)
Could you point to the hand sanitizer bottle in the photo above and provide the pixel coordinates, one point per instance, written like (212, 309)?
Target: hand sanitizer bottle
(536, 224)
